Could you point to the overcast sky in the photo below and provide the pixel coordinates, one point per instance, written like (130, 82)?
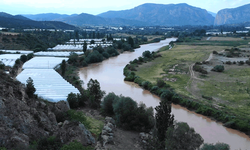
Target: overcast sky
(98, 6)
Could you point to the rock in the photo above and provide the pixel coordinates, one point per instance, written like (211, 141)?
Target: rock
(108, 129)
(109, 119)
(71, 131)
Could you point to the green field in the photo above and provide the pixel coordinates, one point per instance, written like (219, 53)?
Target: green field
(229, 90)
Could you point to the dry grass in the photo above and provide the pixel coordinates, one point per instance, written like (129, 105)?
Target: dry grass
(225, 39)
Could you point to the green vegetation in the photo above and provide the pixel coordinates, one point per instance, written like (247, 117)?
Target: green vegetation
(127, 113)
(217, 146)
(181, 136)
(228, 88)
(75, 146)
(30, 89)
(164, 119)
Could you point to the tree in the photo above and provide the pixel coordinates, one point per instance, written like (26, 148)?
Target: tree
(181, 136)
(30, 89)
(73, 100)
(107, 104)
(92, 42)
(95, 93)
(23, 58)
(131, 41)
(85, 46)
(217, 146)
(147, 54)
(164, 119)
(63, 67)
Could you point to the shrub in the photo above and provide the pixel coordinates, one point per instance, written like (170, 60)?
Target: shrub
(23, 58)
(160, 83)
(167, 95)
(112, 51)
(75, 146)
(218, 68)
(51, 143)
(73, 100)
(146, 85)
(94, 57)
(78, 116)
(107, 104)
(105, 54)
(217, 146)
(125, 112)
(154, 89)
(147, 54)
(215, 52)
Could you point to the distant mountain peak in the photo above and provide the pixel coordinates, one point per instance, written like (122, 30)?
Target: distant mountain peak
(233, 15)
(164, 14)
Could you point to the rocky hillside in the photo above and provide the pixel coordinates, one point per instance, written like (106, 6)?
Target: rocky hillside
(160, 14)
(24, 120)
(233, 16)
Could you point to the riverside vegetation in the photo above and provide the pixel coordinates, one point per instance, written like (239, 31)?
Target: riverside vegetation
(152, 69)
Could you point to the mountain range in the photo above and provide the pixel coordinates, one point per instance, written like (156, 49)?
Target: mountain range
(19, 21)
(148, 14)
(233, 16)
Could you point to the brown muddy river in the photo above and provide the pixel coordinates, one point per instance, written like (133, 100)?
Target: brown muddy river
(110, 75)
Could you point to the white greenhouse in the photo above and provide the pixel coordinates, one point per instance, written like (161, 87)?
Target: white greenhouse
(48, 83)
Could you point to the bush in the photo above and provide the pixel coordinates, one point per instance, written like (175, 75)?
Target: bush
(94, 57)
(78, 116)
(147, 85)
(217, 146)
(154, 89)
(107, 104)
(218, 68)
(51, 143)
(75, 146)
(147, 54)
(23, 58)
(73, 100)
(160, 83)
(215, 52)
(105, 54)
(125, 112)
(131, 117)
(167, 95)
(112, 51)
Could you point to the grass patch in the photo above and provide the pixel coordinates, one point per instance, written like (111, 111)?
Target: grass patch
(184, 56)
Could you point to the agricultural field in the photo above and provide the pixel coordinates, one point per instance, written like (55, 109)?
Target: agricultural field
(228, 89)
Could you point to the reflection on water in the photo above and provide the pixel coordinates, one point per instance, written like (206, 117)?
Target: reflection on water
(110, 75)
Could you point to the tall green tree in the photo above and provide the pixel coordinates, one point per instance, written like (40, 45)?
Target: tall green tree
(164, 119)
(30, 88)
(181, 136)
(95, 93)
(63, 67)
(85, 46)
(131, 41)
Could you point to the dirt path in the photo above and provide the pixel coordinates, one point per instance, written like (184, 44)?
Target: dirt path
(192, 75)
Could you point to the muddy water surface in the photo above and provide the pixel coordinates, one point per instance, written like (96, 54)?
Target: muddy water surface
(110, 75)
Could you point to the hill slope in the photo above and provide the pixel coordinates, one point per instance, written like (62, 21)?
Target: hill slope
(159, 14)
(18, 21)
(233, 16)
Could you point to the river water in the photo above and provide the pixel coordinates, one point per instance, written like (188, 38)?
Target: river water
(110, 75)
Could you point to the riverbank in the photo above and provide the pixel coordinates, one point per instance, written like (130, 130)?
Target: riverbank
(174, 68)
